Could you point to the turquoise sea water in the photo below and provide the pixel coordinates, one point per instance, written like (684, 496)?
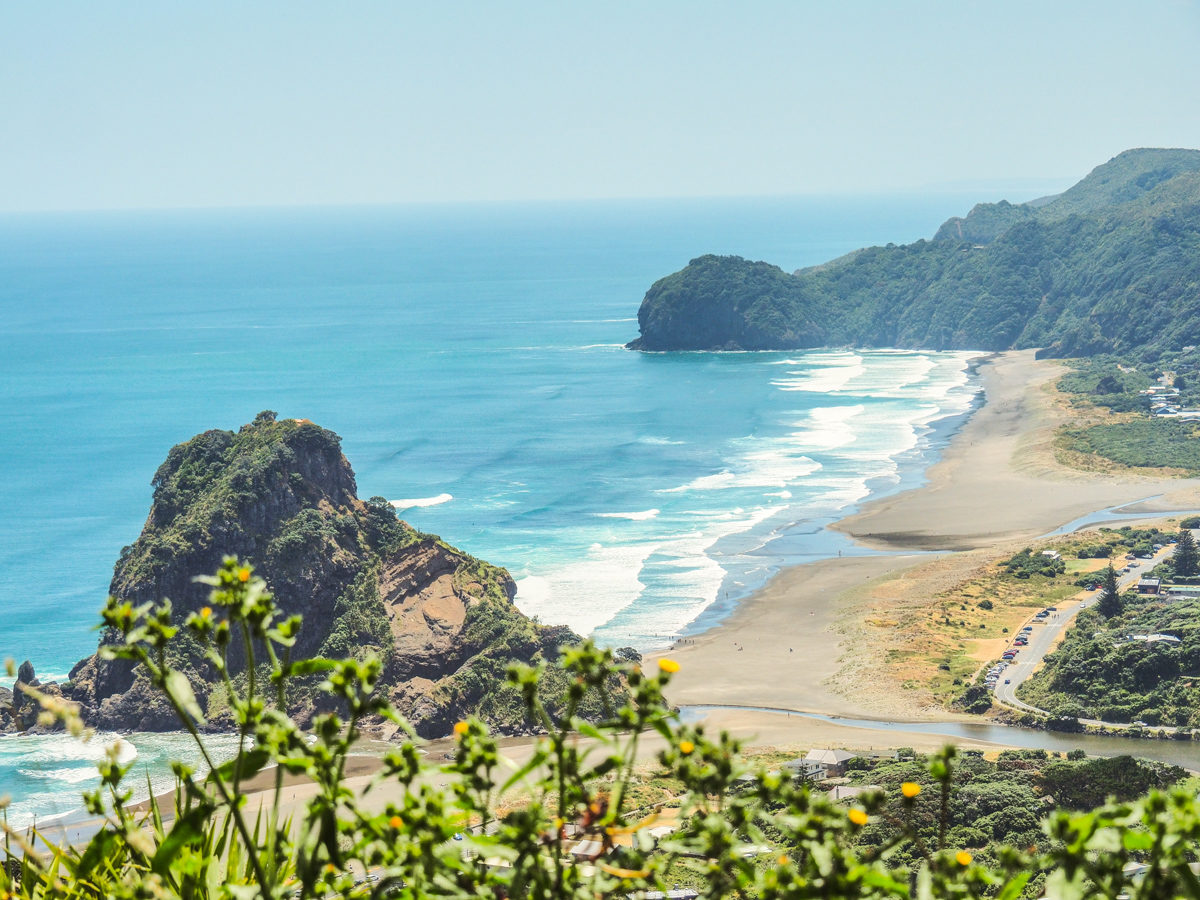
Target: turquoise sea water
(471, 359)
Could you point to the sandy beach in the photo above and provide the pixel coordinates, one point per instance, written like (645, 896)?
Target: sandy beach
(793, 644)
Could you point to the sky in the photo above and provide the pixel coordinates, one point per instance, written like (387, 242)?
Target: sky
(126, 105)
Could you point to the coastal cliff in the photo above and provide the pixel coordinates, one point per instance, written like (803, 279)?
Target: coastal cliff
(1110, 265)
(280, 495)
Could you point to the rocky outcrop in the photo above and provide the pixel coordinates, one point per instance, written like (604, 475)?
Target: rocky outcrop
(19, 709)
(281, 495)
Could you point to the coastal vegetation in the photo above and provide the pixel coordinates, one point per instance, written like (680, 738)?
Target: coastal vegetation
(1109, 266)
(1120, 428)
(1104, 670)
(926, 827)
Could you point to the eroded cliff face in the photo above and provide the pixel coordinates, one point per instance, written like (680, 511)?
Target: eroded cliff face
(280, 495)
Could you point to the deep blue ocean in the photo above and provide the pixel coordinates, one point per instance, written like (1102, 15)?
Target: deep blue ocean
(471, 359)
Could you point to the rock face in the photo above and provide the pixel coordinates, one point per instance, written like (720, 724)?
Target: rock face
(281, 495)
(19, 711)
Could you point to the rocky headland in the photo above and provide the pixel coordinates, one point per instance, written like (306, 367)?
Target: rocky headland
(1108, 266)
(281, 495)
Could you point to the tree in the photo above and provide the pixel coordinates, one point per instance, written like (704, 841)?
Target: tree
(1110, 595)
(1186, 558)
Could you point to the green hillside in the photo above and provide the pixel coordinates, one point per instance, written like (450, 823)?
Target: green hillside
(1111, 265)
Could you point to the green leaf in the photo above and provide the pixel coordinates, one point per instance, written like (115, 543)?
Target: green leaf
(535, 760)
(98, 849)
(243, 766)
(178, 686)
(1137, 840)
(311, 666)
(185, 830)
(1013, 888)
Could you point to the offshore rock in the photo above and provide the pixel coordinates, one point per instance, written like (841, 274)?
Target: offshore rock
(280, 495)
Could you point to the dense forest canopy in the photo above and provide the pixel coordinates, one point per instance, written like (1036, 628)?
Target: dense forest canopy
(1111, 265)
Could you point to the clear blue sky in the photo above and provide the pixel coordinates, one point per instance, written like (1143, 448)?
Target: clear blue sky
(153, 104)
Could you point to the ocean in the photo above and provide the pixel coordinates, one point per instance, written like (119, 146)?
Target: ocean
(471, 359)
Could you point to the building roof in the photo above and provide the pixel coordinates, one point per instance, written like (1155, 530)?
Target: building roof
(830, 757)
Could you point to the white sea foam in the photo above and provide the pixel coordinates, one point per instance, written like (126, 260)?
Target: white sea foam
(828, 427)
(586, 593)
(829, 372)
(659, 441)
(687, 574)
(703, 483)
(422, 501)
(631, 516)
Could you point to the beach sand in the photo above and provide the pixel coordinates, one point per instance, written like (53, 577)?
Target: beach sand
(795, 644)
(998, 480)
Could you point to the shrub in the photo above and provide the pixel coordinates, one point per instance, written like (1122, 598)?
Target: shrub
(578, 781)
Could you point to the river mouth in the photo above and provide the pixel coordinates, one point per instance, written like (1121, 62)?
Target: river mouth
(1179, 753)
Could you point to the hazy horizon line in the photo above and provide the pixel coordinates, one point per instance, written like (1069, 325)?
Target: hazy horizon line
(1033, 186)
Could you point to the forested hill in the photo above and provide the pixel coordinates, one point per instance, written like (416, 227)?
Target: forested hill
(1110, 265)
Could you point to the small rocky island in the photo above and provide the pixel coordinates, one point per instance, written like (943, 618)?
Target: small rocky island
(280, 494)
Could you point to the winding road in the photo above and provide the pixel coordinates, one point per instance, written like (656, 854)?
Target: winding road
(1044, 638)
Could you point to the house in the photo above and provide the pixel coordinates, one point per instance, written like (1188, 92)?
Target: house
(833, 762)
(1149, 585)
(1156, 638)
(802, 768)
(1052, 554)
(1182, 592)
(850, 791)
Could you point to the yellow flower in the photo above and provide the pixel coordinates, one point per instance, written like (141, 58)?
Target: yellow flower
(686, 747)
(783, 860)
(395, 821)
(963, 858)
(668, 665)
(857, 816)
(330, 868)
(910, 789)
(243, 574)
(461, 727)
(206, 612)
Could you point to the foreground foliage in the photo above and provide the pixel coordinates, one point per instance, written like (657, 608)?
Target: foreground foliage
(449, 832)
